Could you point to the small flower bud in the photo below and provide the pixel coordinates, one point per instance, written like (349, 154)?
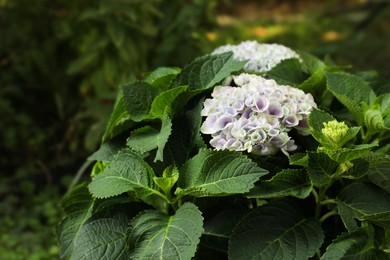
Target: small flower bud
(334, 131)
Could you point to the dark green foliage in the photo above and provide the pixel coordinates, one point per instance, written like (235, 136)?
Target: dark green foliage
(61, 63)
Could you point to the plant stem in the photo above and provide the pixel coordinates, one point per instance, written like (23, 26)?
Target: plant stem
(320, 198)
(328, 201)
(327, 215)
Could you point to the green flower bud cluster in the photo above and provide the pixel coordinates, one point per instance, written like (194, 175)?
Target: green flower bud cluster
(335, 131)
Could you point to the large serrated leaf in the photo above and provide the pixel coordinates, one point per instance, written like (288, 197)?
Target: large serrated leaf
(288, 72)
(119, 120)
(276, 231)
(78, 205)
(161, 77)
(218, 229)
(108, 150)
(379, 170)
(208, 70)
(185, 134)
(164, 100)
(128, 172)
(352, 246)
(316, 121)
(138, 98)
(351, 91)
(218, 173)
(155, 235)
(348, 154)
(321, 168)
(288, 182)
(147, 138)
(102, 239)
(361, 201)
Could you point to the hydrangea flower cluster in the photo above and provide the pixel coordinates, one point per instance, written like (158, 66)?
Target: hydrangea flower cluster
(261, 57)
(256, 115)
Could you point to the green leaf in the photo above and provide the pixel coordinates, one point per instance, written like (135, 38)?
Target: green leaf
(116, 33)
(147, 138)
(218, 229)
(300, 159)
(316, 121)
(185, 135)
(316, 81)
(138, 99)
(161, 77)
(163, 102)
(169, 178)
(288, 182)
(218, 173)
(78, 205)
(288, 72)
(119, 120)
(352, 246)
(358, 170)
(348, 154)
(373, 119)
(208, 70)
(321, 168)
(128, 172)
(379, 170)
(155, 235)
(90, 58)
(351, 91)
(360, 201)
(102, 239)
(311, 62)
(107, 151)
(276, 231)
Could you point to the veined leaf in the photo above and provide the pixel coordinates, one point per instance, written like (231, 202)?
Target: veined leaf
(348, 154)
(169, 178)
(288, 72)
(218, 173)
(163, 102)
(321, 168)
(119, 120)
(316, 121)
(352, 246)
(107, 151)
(128, 172)
(208, 70)
(379, 170)
(311, 62)
(186, 134)
(218, 230)
(275, 231)
(360, 201)
(155, 235)
(147, 138)
(351, 91)
(138, 98)
(78, 205)
(300, 159)
(161, 77)
(288, 182)
(102, 239)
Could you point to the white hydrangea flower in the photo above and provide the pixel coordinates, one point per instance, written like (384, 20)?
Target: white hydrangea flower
(255, 115)
(261, 57)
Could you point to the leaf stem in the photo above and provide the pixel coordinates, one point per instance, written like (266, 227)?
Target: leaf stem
(328, 201)
(315, 195)
(327, 215)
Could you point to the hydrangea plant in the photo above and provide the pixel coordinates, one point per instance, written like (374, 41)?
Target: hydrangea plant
(209, 161)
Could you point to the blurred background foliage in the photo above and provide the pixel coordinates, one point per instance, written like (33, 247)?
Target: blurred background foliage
(61, 63)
